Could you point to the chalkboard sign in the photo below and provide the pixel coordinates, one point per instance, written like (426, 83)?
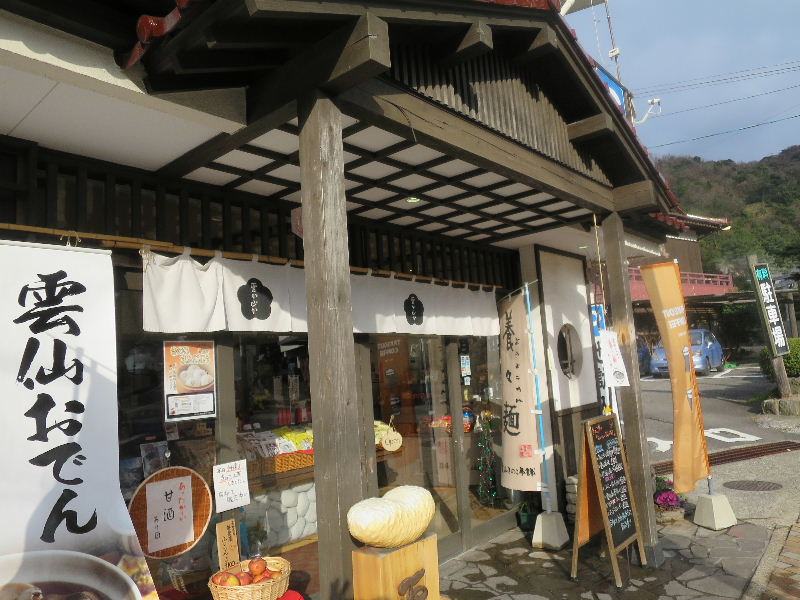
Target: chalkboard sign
(605, 501)
(613, 477)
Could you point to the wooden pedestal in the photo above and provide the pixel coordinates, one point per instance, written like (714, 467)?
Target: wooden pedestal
(391, 573)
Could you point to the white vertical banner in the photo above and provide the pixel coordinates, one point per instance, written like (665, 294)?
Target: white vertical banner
(58, 434)
(522, 456)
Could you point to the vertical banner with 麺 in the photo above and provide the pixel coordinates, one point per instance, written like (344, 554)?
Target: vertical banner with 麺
(689, 452)
(522, 459)
(58, 434)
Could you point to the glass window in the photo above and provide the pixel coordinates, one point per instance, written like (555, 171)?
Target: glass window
(410, 392)
(697, 337)
(482, 442)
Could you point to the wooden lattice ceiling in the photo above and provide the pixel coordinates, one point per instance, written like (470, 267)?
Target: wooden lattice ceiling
(383, 172)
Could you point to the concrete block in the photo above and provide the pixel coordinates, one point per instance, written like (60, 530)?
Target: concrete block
(782, 406)
(550, 531)
(714, 512)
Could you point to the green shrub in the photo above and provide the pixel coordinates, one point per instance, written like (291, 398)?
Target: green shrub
(791, 360)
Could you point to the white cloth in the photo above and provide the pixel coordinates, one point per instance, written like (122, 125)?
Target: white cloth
(180, 295)
(256, 296)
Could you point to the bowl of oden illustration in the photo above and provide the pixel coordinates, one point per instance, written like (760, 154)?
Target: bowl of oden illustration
(194, 378)
(63, 575)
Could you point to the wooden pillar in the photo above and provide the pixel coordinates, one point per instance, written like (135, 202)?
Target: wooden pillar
(334, 389)
(630, 398)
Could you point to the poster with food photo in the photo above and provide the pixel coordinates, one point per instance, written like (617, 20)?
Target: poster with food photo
(190, 385)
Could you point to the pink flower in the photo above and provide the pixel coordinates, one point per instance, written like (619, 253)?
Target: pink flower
(668, 499)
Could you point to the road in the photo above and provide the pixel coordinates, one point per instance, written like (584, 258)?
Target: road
(729, 419)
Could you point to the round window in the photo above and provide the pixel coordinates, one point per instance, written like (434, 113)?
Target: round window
(570, 357)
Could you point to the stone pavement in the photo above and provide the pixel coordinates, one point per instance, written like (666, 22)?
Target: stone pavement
(784, 581)
(699, 565)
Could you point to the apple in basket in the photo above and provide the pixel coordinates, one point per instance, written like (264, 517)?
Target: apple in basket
(225, 579)
(257, 566)
(262, 577)
(244, 578)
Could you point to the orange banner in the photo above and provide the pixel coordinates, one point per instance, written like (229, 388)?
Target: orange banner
(689, 452)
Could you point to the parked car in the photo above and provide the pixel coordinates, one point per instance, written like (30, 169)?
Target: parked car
(643, 353)
(706, 354)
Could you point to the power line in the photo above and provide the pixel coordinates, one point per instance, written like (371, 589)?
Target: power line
(685, 110)
(721, 81)
(710, 135)
(707, 77)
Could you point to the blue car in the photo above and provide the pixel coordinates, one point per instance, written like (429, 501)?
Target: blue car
(706, 354)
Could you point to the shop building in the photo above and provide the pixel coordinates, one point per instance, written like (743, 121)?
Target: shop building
(468, 146)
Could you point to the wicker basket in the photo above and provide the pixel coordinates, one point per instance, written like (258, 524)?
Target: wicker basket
(191, 583)
(272, 589)
(286, 462)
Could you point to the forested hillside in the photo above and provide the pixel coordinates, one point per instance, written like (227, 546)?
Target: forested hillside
(761, 198)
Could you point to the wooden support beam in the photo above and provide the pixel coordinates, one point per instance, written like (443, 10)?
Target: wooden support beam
(393, 108)
(545, 43)
(636, 196)
(630, 398)
(590, 128)
(353, 53)
(228, 60)
(338, 439)
(476, 41)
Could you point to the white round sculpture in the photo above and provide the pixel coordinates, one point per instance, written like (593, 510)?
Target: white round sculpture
(397, 519)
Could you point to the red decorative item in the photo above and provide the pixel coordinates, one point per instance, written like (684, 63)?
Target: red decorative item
(149, 27)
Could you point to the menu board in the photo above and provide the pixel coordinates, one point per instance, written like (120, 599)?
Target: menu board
(614, 487)
(605, 502)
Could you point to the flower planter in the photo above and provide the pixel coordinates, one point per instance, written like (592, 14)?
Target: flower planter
(526, 520)
(669, 515)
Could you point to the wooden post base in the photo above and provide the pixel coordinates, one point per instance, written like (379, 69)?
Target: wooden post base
(380, 573)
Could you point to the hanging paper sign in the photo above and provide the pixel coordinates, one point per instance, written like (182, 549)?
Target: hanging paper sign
(466, 370)
(190, 386)
(230, 485)
(614, 371)
(58, 434)
(171, 510)
(392, 441)
(170, 519)
(227, 544)
(522, 460)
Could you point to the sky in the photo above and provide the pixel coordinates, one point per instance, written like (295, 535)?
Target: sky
(691, 43)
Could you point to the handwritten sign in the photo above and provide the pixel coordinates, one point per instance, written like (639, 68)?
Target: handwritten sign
(227, 544)
(230, 485)
(605, 501)
(170, 518)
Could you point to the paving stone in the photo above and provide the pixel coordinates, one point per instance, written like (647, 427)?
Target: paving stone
(727, 586)
(699, 551)
(514, 551)
(673, 588)
(474, 556)
(604, 596)
(749, 531)
(752, 544)
(495, 583)
(487, 570)
(697, 572)
(540, 554)
(468, 574)
(741, 567)
(675, 542)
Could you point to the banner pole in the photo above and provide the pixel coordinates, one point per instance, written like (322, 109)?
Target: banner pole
(542, 446)
(710, 481)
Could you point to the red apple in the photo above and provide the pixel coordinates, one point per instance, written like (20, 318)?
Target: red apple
(274, 574)
(230, 580)
(244, 578)
(260, 578)
(218, 577)
(257, 566)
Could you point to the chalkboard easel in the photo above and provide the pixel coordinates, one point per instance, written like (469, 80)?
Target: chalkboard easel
(605, 502)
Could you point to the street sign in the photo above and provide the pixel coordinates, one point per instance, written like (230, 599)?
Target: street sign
(770, 311)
